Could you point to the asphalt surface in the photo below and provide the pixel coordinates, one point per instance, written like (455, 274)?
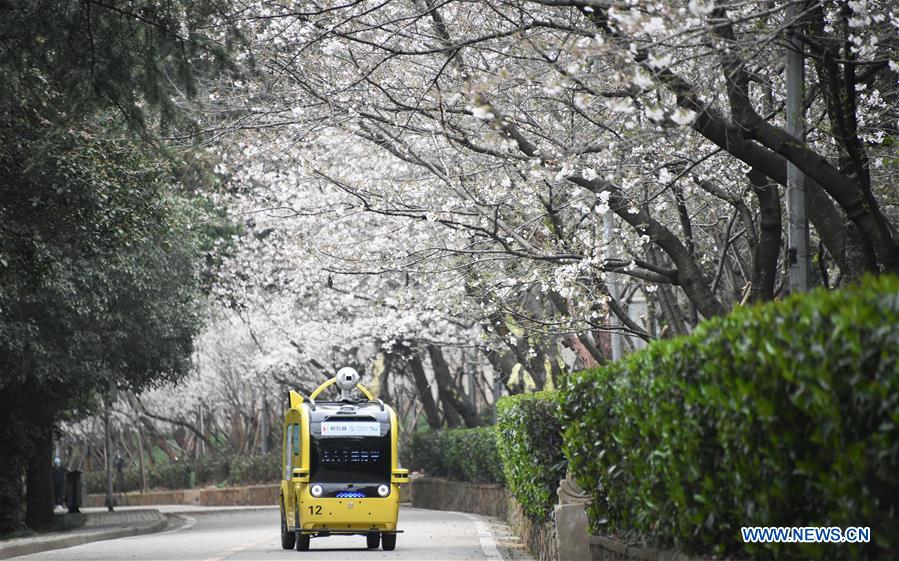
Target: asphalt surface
(251, 535)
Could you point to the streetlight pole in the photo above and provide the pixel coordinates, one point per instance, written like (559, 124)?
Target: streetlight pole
(608, 229)
(107, 427)
(797, 231)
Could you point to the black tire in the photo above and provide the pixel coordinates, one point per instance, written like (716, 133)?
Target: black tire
(388, 542)
(302, 539)
(373, 540)
(288, 537)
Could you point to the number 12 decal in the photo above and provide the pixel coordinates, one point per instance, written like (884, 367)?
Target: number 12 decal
(315, 509)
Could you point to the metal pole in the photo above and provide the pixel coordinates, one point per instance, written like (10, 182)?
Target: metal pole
(472, 390)
(202, 429)
(797, 231)
(107, 427)
(608, 227)
(143, 469)
(265, 429)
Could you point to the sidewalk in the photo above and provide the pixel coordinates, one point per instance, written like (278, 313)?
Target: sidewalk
(90, 527)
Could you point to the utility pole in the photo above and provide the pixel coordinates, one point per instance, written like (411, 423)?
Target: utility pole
(264, 425)
(608, 228)
(797, 231)
(107, 427)
(202, 444)
(143, 469)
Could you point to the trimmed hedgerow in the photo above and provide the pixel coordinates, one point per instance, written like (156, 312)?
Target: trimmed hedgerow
(784, 414)
(213, 469)
(529, 440)
(461, 454)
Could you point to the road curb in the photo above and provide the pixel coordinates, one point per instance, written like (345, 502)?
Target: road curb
(60, 542)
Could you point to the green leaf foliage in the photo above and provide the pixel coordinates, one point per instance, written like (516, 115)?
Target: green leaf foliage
(784, 414)
(461, 454)
(100, 280)
(529, 440)
(72, 58)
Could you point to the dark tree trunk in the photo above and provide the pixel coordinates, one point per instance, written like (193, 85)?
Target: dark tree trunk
(384, 392)
(424, 391)
(450, 393)
(39, 481)
(502, 362)
(13, 434)
(585, 347)
(520, 348)
(764, 260)
(10, 478)
(10, 490)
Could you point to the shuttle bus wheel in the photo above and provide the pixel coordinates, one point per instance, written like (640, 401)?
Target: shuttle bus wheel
(388, 542)
(302, 539)
(288, 538)
(373, 540)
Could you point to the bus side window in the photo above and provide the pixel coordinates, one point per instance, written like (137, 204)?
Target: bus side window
(296, 441)
(287, 452)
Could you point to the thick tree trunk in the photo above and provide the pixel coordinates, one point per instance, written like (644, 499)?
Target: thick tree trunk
(10, 496)
(389, 361)
(764, 260)
(39, 480)
(585, 348)
(450, 393)
(502, 362)
(424, 391)
(10, 491)
(13, 431)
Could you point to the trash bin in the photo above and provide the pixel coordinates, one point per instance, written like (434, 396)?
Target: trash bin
(73, 491)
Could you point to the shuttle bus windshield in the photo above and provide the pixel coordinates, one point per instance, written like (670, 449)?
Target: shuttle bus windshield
(350, 459)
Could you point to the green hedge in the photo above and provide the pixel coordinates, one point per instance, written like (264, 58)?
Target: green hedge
(785, 414)
(183, 474)
(461, 454)
(529, 439)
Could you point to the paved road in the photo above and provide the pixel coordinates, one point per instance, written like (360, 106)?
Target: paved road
(251, 535)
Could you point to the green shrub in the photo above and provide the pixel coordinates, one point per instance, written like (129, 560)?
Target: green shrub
(171, 476)
(212, 469)
(256, 468)
(785, 414)
(529, 440)
(462, 454)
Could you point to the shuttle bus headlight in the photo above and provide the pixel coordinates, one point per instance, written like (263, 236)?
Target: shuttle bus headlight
(316, 490)
(383, 490)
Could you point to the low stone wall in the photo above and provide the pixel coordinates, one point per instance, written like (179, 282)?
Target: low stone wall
(488, 500)
(252, 495)
(539, 537)
(445, 494)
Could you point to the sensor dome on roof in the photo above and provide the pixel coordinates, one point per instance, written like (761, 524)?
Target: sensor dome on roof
(347, 378)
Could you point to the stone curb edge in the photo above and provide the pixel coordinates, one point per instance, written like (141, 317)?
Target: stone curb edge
(17, 550)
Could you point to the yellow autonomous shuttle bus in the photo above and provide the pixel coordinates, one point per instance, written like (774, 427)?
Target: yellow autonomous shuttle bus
(339, 467)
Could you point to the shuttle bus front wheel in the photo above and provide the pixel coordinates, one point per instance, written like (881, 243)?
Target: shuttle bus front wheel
(302, 539)
(373, 540)
(388, 541)
(288, 538)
